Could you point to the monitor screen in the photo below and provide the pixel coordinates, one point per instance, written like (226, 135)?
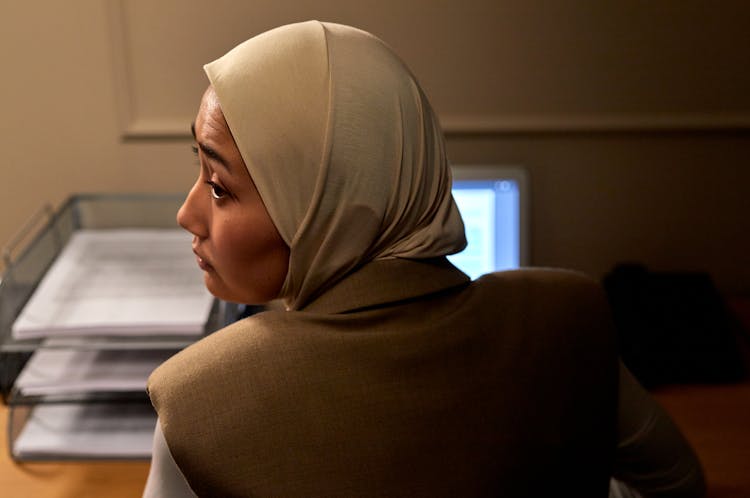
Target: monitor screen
(493, 203)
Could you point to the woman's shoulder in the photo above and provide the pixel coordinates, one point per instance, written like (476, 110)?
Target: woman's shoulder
(548, 302)
(543, 283)
(215, 354)
(541, 276)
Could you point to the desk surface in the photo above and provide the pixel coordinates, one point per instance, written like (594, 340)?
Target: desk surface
(90, 479)
(716, 420)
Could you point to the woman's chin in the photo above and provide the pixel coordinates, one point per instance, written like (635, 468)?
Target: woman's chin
(218, 291)
(241, 295)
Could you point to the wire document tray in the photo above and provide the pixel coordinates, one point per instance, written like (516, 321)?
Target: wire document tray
(65, 398)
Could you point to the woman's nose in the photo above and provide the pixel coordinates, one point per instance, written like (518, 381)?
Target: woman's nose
(192, 216)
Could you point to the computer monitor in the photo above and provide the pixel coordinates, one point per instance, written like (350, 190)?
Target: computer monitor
(493, 201)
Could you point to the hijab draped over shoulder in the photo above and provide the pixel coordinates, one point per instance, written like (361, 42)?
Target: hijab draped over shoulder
(344, 149)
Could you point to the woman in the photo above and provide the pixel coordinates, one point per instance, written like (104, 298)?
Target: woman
(324, 182)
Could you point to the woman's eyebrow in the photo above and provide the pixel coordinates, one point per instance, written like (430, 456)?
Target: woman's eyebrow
(208, 151)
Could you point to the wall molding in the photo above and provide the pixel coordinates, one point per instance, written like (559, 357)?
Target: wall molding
(121, 67)
(134, 126)
(174, 128)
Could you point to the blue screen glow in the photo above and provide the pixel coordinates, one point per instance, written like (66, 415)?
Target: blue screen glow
(490, 210)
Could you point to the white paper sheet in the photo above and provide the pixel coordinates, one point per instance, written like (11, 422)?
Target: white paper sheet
(119, 282)
(87, 431)
(67, 371)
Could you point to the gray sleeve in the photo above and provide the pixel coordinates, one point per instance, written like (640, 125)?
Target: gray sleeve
(653, 457)
(165, 480)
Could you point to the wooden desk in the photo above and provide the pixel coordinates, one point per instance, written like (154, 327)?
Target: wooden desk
(716, 421)
(90, 479)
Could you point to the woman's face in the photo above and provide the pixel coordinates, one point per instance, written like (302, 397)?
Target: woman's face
(242, 255)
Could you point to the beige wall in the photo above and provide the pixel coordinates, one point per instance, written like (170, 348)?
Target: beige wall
(633, 118)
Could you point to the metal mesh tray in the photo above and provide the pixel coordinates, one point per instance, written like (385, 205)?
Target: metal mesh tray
(30, 254)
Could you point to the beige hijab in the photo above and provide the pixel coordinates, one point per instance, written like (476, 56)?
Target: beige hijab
(344, 149)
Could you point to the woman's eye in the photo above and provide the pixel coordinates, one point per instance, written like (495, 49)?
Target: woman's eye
(216, 191)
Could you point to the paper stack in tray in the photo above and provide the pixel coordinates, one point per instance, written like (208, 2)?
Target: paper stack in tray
(87, 431)
(110, 284)
(56, 371)
(119, 282)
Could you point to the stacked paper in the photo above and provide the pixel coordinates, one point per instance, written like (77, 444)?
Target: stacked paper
(123, 282)
(87, 431)
(119, 282)
(70, 371)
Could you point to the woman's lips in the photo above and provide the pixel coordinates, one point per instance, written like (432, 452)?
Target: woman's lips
(202, 263)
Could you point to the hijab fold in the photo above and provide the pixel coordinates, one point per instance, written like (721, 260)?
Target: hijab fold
(344, 149)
